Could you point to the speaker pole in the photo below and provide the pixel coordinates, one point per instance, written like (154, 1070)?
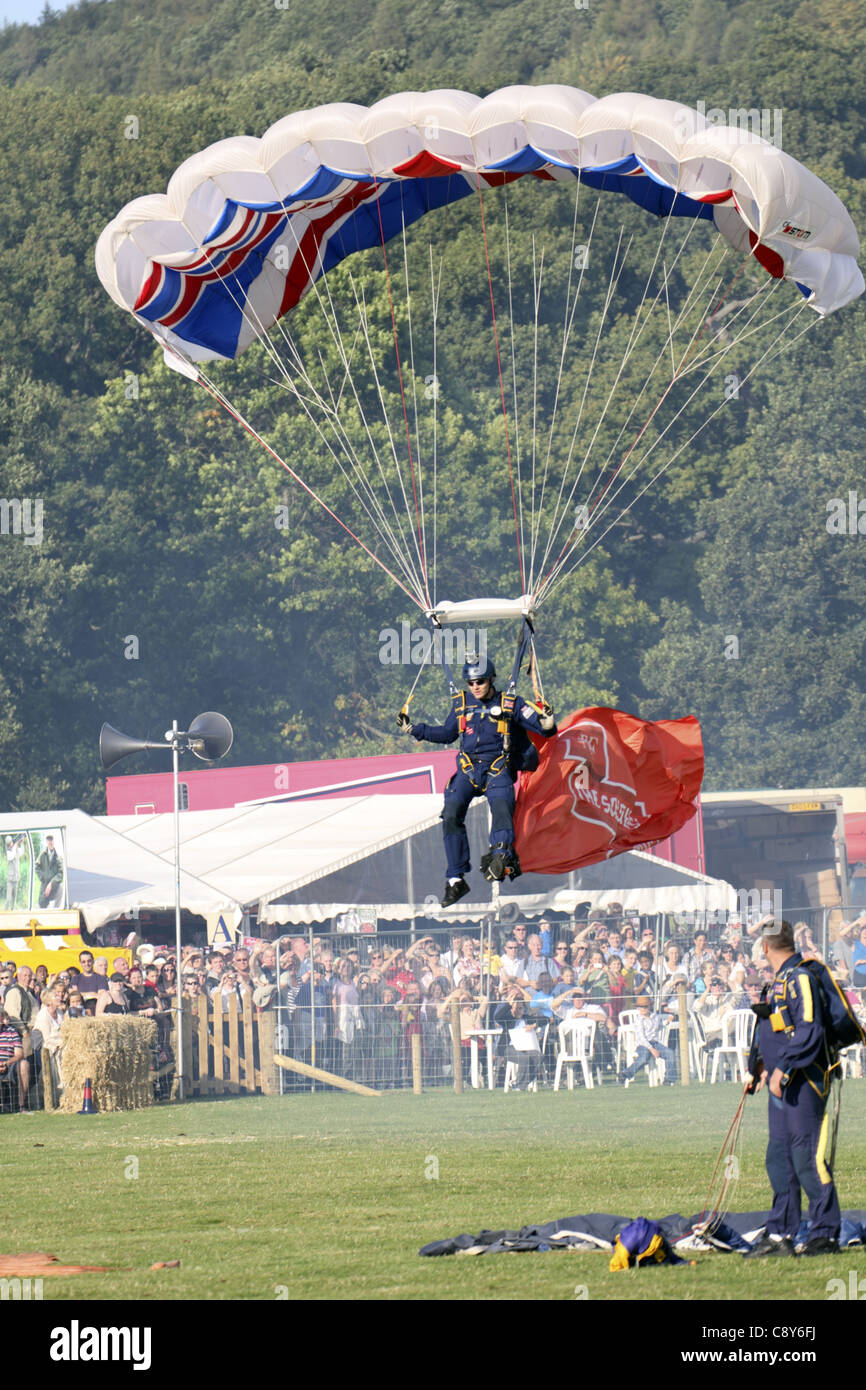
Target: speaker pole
(209, 737)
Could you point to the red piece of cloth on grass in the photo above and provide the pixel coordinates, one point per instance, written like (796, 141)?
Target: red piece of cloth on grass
(606, 783)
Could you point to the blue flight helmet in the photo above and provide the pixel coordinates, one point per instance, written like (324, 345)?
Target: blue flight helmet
(477, 668)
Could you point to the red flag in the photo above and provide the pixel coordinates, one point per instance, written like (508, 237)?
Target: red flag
(606, 783)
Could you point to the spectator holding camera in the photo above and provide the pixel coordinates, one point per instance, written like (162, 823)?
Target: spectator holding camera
(594, 978)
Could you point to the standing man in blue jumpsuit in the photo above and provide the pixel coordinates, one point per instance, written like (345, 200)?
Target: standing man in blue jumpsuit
(790, 1052)
(493, 748)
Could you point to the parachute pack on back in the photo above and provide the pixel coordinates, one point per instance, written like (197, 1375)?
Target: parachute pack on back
(842, 1026)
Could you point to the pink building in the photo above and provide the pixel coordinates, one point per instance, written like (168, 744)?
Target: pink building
(215, 788)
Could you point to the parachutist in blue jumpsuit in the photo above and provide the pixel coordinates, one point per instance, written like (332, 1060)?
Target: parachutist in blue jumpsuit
(791, 1051)
(493, 748)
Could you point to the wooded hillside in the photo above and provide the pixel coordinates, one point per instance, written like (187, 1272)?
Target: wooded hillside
(159, 513)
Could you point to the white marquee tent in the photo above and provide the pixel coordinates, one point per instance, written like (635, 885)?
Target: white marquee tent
(306, 862)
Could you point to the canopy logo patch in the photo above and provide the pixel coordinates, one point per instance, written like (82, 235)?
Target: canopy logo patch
(800, 233)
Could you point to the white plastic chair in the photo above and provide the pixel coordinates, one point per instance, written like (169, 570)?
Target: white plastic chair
(511, 1067)
(657, 1067)
(737, 1029)
(576, 1043)
(625, 1038)
(697, 1046)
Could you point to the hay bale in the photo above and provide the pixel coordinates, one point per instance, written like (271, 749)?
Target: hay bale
(115, 1052)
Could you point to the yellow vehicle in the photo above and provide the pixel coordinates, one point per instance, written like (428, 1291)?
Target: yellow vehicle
(51, 938)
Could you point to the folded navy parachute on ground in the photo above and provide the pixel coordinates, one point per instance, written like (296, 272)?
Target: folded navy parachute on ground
(599, 1231)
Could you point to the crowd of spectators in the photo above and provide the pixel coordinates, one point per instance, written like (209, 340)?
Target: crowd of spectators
(353, 1008)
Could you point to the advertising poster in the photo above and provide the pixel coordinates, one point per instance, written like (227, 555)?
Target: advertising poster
(33, 870)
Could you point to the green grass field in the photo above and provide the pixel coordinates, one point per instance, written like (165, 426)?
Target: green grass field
(330, 1196)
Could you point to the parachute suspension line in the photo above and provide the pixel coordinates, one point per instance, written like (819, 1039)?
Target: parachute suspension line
(567, 325)
(536, 301)
(601, 506)
(509, 697)
(592, 512)
(711, 314)
(638, 326)
(670, 321)
(401, 517)
(446, 665)
(766, 289)
(525, 639)
(330, 317)
(358, 480)
(725, 1174)
(617, 267)
(403, 400)
(698, 363)
(559, 511)
(501, 385)
(672, 329)
(535, 673)
(514, 371)
(768, 355)
(383, 529)
(422, 522)
(435, 288)
(370, 498)
(661, 357)
(407, 702)
(371, 506)
(253, 320)
(214, 391)
(332, 323)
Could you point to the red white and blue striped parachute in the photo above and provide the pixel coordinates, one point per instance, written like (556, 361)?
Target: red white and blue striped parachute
(249, 226)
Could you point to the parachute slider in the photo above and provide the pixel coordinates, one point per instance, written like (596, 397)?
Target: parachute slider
(487, 610)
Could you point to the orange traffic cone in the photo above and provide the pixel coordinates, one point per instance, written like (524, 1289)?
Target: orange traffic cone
(88, 1108)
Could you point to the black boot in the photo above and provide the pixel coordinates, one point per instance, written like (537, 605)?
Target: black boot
(770, 1246)
(454, 892)
(820, 1245)
(500, 863)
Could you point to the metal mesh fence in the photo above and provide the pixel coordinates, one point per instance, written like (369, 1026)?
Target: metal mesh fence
(456, 1006)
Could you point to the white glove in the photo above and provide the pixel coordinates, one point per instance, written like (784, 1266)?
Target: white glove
(547, 719)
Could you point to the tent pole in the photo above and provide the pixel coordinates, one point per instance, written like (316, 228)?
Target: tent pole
(495, 916)
(177, 946)
(410, 890)
(312, 1014)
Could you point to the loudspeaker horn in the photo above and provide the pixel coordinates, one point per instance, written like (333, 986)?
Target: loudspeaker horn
(113, 745)
(210, 736)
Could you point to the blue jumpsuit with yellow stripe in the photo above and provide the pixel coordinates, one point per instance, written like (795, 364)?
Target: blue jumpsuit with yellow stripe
(483, 768)
(793, 1039)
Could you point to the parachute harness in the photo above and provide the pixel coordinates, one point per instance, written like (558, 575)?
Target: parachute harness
(458, 695)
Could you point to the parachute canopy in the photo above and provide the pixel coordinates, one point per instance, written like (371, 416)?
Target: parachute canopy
(249, 226)
(326, 183)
